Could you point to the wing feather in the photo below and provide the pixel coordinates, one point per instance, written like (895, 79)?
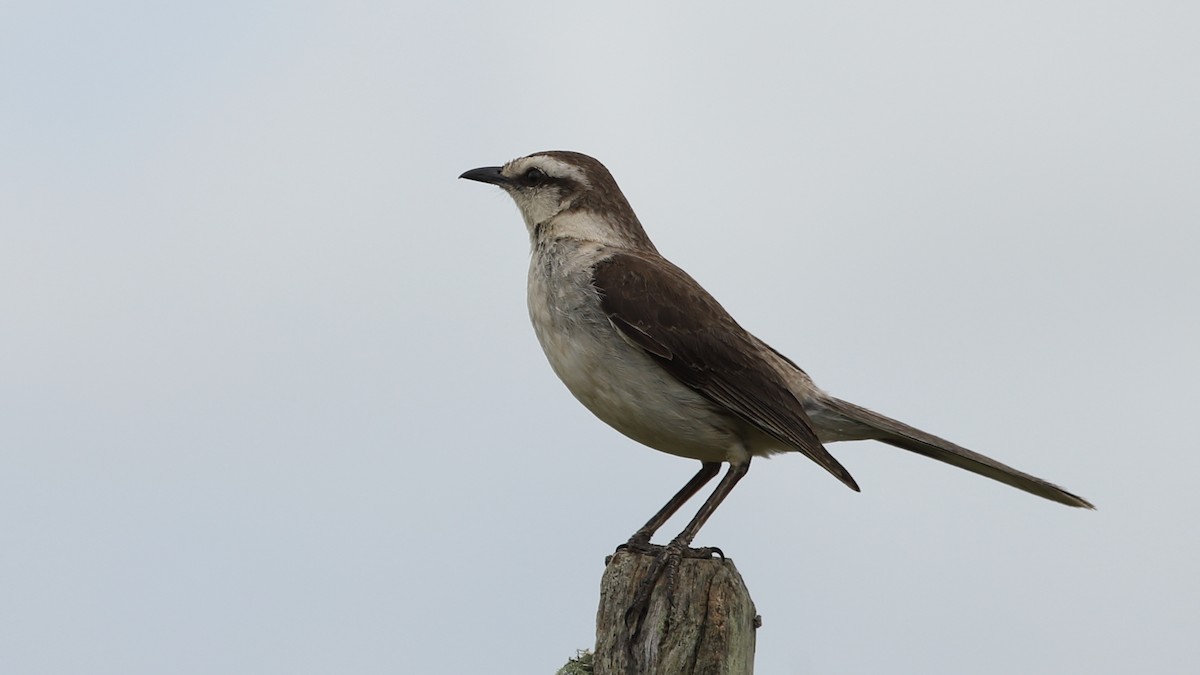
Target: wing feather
(662, 310)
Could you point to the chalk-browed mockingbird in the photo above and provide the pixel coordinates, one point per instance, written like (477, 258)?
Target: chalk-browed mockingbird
(650, 352)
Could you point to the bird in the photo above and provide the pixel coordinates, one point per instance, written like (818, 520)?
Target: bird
(650, 352)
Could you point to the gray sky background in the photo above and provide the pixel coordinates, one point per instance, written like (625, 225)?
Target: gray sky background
(270, 402)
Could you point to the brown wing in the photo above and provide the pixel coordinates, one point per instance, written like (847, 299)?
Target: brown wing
(660, 308)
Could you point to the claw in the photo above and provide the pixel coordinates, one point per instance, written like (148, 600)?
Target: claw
(705, 552)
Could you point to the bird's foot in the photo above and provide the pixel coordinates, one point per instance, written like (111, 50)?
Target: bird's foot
(664, 567)
(704, 552)
(640, 543)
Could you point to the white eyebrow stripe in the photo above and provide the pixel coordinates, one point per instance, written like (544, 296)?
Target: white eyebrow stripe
(555, 168)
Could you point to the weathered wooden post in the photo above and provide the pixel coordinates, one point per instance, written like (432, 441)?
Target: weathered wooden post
(706, 625)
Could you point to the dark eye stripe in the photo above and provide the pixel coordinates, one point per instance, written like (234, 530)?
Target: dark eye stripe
(533, 177)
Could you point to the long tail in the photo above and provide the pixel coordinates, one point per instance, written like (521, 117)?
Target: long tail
(849, 421)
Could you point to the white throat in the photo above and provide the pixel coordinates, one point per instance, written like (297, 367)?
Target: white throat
(586, 226)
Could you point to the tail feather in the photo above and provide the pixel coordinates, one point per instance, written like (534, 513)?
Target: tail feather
(878, 427)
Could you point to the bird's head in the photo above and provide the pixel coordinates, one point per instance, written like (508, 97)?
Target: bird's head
(567, 194)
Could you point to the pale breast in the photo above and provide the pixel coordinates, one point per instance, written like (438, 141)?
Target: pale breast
(616, 381)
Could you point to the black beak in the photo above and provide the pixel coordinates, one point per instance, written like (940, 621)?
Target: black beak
(487, 174)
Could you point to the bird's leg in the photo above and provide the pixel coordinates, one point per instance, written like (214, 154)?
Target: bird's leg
(640, 541)
(666, 564)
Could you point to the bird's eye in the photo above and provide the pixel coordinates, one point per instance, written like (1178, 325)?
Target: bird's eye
(533, 177)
